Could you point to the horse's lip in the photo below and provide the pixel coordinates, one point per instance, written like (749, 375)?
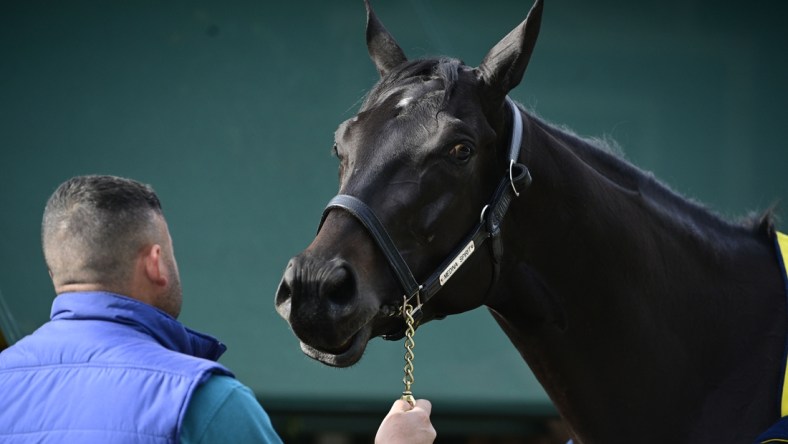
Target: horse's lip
(344, 356)
(395, 333)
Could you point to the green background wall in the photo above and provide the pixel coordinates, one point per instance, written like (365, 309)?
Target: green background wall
(228, 109)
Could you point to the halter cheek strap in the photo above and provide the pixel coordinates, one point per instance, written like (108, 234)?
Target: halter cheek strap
(516, 179)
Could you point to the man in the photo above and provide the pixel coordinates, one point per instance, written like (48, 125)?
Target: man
(113, 365)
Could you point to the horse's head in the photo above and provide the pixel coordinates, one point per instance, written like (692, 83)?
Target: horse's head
(425, 152)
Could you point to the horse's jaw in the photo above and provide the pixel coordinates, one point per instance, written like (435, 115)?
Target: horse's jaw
(345, 355)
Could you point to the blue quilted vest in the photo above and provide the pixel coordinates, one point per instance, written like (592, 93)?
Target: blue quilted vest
(105, 369)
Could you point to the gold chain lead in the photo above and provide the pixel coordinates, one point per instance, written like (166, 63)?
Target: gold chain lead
(407, 313)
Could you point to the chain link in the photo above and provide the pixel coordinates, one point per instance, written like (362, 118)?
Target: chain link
(407, 314)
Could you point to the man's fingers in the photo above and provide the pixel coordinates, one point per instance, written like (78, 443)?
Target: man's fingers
(404, 406)
(424, 405)
(406, 424)
(401, 406)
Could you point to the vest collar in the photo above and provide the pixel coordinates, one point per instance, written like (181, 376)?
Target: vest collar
(111, 307)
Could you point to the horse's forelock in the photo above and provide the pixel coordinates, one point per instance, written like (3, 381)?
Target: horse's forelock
(444, 69)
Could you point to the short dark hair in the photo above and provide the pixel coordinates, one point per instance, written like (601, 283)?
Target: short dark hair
(94, 226)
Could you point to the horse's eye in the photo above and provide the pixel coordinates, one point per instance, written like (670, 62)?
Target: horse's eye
(460, 152)
(335, 150)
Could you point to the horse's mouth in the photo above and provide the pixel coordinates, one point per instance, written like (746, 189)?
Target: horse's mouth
(344, 355)
(350, 351)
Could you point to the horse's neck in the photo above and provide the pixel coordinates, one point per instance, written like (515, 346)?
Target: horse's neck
(630, 317)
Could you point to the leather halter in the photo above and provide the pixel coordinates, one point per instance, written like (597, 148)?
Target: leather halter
(516, 179)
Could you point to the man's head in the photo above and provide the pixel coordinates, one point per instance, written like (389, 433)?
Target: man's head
(108, 233)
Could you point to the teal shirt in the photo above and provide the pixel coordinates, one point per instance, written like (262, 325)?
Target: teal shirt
(223, 410)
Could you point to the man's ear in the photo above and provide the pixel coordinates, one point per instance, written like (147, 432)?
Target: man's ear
(153, 266)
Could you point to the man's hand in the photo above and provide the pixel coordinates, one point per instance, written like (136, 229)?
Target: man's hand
(406, 424)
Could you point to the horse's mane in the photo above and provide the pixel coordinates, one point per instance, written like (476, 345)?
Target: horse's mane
(609, 155)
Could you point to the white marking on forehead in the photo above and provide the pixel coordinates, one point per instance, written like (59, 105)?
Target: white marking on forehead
(404, 102)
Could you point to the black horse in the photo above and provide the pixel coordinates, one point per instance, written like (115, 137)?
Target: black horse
(645, 317)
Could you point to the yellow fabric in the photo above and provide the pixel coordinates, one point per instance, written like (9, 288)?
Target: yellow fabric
(782, 241)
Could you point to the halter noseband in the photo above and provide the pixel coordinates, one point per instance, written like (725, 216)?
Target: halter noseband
(516, 179)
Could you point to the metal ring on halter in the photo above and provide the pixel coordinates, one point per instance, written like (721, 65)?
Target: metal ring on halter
(511, 178)
(417, 306)
(484, 210)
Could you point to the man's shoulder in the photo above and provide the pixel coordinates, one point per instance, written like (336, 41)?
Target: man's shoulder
(222, 395)
(218, 388)
(224, 408)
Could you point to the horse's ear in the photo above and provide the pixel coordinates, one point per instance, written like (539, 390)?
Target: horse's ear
(382, 47)
(503, 67)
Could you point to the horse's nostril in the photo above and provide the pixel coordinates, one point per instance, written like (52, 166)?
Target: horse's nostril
(338, 285)
(285, 290)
